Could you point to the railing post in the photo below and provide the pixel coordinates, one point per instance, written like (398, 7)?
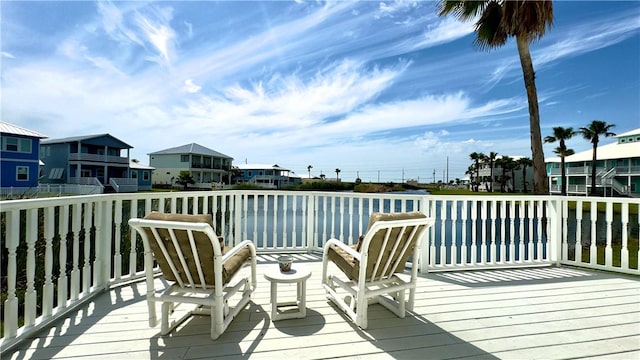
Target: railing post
(11, 303)
(30, 297)
(423, 205)
(311, 229)
(554, 238)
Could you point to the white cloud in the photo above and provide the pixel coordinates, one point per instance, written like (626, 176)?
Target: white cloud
(190, 87)
(7, 55)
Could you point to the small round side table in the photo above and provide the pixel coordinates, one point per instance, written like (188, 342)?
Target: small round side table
(299, 275)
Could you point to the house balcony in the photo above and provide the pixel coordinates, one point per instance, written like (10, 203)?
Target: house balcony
(500, 277)
(98, 158)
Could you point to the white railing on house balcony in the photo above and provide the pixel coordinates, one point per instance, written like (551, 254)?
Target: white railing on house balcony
(98, 158)
(124, 184)
(59, 252)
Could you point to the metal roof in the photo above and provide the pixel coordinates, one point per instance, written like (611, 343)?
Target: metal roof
(605, 152)
(7, 128)
(137, 165)
(628, 133)
(260, 167)
(192, 148)
(85, 138)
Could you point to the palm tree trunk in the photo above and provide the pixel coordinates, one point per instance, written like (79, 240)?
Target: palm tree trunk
(540, 182)
(563, 177)
(593, 170)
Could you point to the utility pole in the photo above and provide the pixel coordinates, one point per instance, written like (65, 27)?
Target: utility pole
(434, 176)
(447, 169)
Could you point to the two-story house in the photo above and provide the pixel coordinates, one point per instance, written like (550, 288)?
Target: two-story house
(19, 159)
(268, 176)
(94, 160)
(617, 168)
(516, 180)
(205, 166)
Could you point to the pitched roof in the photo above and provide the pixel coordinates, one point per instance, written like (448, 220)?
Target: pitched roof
(608, 152)
(7, 128)
(628, 133)
(192, 148)
(260, 167)
(605, 152)
(86, 138)
(137, 165)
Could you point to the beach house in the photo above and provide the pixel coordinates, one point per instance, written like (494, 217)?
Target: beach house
(19, 159)
(206, 166)
(617, 168)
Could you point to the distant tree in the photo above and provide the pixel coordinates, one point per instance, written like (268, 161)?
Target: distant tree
(234, 173)
(309, 167)
(507, 164)
(563, 153)
(527, 21)
(592, 133)
(491, 158)
(477, 158)
(524, 163)
(338, 174)
(185, 179)
(561, 134)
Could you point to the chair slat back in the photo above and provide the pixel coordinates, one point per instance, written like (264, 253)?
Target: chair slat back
(184, 251)
(389, 243)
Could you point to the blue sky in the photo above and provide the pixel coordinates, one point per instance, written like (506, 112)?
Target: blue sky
(384, 90)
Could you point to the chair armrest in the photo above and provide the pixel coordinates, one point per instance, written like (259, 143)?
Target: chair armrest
(343, 246)
(239, 247)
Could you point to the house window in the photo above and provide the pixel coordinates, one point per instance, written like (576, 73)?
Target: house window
(184, 158)
(22, 173)
(85, 173)
(145, 175)
(134, 174)
(14, 144)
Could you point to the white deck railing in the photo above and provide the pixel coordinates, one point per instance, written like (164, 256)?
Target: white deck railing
(59, 252)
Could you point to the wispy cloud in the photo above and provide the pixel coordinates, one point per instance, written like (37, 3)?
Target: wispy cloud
(391, 84)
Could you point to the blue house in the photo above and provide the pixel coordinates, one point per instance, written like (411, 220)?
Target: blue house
(99, 160)
(19, 158)
(267, 176)
(141, 174)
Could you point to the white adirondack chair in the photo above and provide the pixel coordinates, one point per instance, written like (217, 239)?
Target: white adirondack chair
(375, 267)
(198, 266)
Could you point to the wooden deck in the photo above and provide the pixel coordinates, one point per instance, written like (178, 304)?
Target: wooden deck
(535, 313)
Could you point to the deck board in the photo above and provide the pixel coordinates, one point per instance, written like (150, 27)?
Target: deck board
(532, 313)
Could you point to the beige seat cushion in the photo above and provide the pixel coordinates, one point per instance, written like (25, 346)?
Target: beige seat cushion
(351, 267)
(203, 244)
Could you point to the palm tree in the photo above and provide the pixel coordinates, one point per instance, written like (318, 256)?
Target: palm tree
(477, 157)
(338, 174)
(524, 162)
(491, 158)
(471, 170)
(309, 167)
(527, 21)
(563, 153)
(508, 164)
(561, 134)
(592, 133)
